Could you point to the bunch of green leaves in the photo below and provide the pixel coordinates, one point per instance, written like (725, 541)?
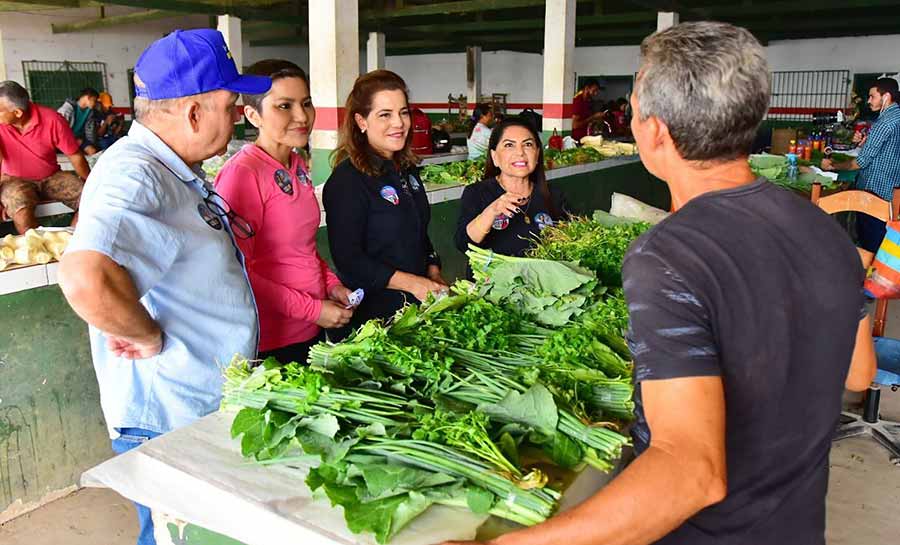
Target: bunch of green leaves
(548, 292)
(595, 245)
(775, 169)
(466, 431)
(554, 158)
(457, 172)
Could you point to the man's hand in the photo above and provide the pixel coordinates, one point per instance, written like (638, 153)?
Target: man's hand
(135, 350)
(434, 274)
(827, 164)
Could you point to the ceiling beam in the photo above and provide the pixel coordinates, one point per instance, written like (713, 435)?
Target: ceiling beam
(529, 24)
(116, 20)
(446, 8)
(187, 6)
(782, 8)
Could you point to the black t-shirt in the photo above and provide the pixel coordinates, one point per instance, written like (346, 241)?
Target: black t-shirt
(762, 288)
(377, 226)
(509, 236)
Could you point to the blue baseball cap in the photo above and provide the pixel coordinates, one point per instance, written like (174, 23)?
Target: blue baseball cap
(190, 62)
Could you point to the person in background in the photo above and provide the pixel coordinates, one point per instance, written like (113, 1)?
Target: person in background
(583, 109)
(375, 202)
(112, 126)
(619, 117)
(508, 209)
(153, 267)
(878, 161)
(268, 184)
(732, 437)
(84, 118)
(30, 136)
(480, 131)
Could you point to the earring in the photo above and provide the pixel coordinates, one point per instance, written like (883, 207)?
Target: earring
(362, 131)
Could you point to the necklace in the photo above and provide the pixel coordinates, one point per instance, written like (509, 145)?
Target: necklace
(526, 204)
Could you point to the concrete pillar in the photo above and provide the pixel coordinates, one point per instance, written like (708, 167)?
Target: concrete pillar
(666, 19)
(230, 27)
(375, 52)
(473, 75)
(333, 67)
(3, 76)
(559, 73)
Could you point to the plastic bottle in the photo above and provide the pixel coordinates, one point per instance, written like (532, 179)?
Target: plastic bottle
(792, 169)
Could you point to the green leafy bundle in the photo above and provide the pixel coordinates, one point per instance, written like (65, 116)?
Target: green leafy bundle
(775, 169)
(595, 245)
(575, 156)
(457, 172)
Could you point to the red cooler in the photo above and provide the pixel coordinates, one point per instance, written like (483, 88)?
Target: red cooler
(421, 127)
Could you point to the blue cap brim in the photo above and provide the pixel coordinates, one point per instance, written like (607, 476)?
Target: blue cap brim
(249, 85)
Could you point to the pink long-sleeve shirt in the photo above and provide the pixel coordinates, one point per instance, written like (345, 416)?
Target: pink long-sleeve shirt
(289, 278)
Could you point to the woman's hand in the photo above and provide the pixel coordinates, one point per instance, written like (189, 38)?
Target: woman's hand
(506, 204)
(422, 286)
(333, 315)
(340, 294)
(434, 274)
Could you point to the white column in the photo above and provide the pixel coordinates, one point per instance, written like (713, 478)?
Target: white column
(473, 75)
(333, 68)
(230, 27)
(375, 51)
(559, 74)
(666, 19)
(3, 76)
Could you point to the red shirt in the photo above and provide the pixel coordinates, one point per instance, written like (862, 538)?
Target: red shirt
(288, 277)
(581, 106)
(32, 155)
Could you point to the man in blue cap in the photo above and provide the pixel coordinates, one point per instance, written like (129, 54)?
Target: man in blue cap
(153, 267)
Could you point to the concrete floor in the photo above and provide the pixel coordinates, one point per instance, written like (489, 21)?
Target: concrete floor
(863, 498)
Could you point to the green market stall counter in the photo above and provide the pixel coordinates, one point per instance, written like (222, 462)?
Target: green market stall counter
(51, 426)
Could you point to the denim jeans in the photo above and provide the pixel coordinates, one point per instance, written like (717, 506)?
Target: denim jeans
(130, 438)
(887, 352)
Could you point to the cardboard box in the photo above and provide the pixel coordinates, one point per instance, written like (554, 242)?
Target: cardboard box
(781, 139)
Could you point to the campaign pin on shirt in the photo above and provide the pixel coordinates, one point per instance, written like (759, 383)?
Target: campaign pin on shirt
(283, 180)
(414, 182)
(543, 220)
(302, 177)
(501, 222)
(389, 194)
(209, 216)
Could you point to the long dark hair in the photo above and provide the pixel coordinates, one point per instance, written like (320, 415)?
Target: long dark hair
(480, 111)
(353, 143)
(538, 177)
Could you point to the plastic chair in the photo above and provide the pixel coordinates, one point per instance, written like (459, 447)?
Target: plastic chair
(885, 432)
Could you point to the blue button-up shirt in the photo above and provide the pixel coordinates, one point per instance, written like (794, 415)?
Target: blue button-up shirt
(879, 158)
(140, 207)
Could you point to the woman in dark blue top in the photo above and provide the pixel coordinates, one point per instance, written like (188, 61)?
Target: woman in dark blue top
(508, 209)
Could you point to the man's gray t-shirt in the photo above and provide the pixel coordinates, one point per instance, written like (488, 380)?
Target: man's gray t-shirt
(762, 288)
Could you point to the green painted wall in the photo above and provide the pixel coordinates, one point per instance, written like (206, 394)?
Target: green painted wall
(51, 428)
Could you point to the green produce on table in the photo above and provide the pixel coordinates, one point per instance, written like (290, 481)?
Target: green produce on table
(595, 245)
(575, 156)
(457, 172)
(775, 169)
(458, 401)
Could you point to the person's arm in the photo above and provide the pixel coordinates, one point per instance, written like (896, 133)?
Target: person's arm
(683, 471)
(874, 143)
(863, 365)
(103, 294)
(80, 164)
(477, 219)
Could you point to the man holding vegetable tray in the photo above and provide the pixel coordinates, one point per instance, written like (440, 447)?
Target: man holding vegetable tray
(739, 367)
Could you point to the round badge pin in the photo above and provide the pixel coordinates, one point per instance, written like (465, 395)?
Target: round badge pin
(209, 216)
(543, 220)
(284, 182)
(414, 182)
(389, 194)
(501, 222)
(302, 176)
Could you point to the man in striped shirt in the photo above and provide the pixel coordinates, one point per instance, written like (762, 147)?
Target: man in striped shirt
(878, 161)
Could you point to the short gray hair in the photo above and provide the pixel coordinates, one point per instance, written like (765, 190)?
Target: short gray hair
(15, 94)
(145, 109)
(709, 83)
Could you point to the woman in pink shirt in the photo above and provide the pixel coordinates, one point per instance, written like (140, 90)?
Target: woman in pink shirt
(268, 184)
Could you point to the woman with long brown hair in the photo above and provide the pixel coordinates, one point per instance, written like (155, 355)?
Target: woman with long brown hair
(506, 210)
(375, 202)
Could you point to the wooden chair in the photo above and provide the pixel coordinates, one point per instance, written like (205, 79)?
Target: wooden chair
(886, 433)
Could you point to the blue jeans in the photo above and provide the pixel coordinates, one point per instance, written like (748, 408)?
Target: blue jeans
(887, 352)
(130, 438)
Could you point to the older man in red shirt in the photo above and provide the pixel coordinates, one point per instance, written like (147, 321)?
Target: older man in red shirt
(30, 135)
